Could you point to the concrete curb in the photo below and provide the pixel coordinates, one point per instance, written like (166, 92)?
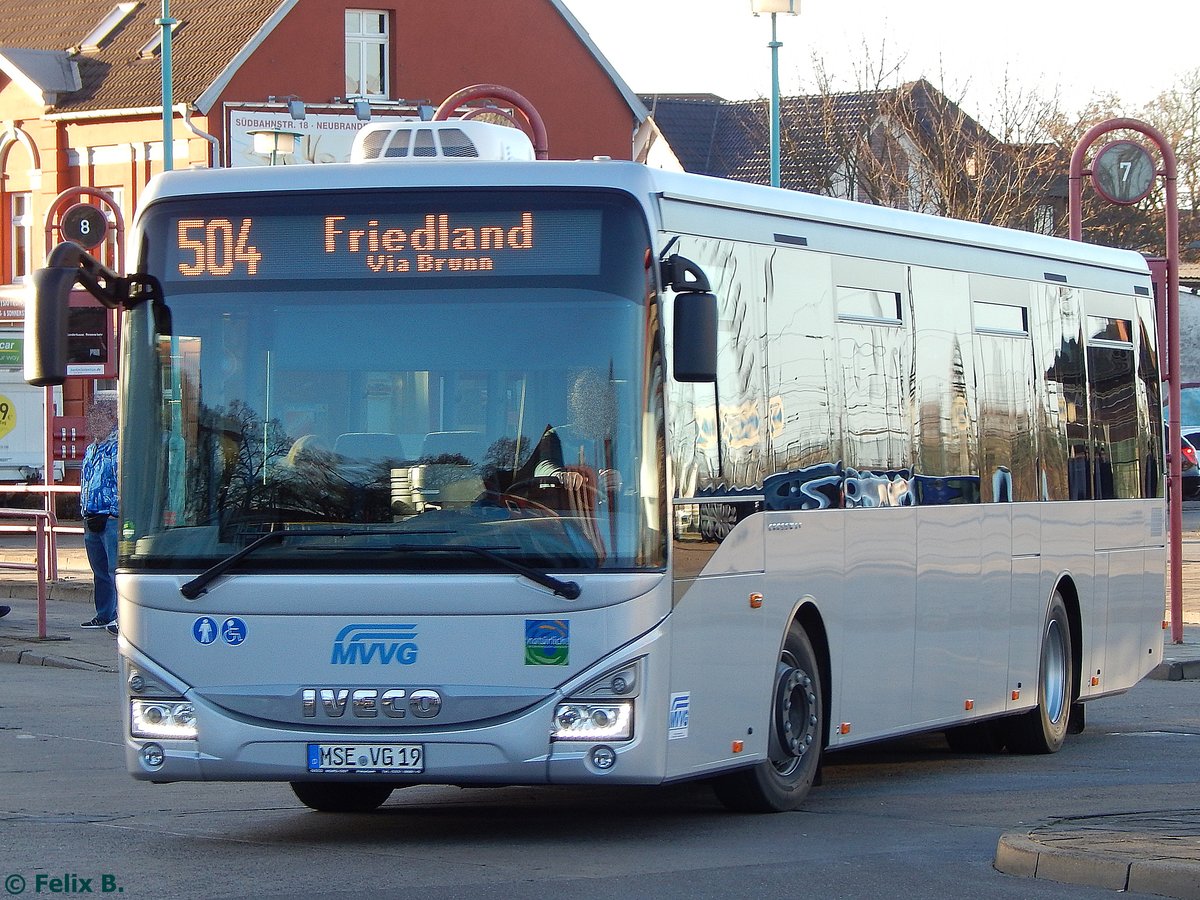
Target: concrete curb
(1177, 670)
(34, 657)
(1019, 854)
(68, 590)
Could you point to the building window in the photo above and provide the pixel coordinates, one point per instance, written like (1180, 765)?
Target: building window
(21, 261)
(366, 53)
(1043, 218)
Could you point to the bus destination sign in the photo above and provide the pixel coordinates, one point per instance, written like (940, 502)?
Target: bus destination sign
(260, 247)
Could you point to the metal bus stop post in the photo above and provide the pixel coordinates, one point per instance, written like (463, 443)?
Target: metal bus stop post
(1168, 299)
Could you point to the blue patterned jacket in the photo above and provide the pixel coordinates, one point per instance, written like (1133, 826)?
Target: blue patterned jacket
(98, 478)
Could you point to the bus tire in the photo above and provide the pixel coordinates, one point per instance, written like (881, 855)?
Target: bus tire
(1043, 728)
(340, 797)
(782, 781)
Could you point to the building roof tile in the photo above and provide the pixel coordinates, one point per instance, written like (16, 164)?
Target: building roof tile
(731, 138)
(211, 34)
(115, 76)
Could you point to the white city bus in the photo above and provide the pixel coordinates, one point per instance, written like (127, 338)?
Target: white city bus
(449, 472)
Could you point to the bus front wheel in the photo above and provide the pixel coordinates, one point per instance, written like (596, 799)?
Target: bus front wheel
(1043, 728)
(782, 781)
(339, 797)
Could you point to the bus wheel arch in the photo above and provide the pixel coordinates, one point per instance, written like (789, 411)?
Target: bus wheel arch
(1066, 589)
(1070, 594)
(798, 724)
(814, 626)
(1043, 728)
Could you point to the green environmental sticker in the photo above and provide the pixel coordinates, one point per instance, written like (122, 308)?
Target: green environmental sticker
(547, 642)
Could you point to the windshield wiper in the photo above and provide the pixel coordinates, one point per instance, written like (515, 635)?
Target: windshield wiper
(194, 588)
(198, 585)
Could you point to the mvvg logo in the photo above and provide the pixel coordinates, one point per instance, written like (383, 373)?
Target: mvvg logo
(362, 645)
(680, 711)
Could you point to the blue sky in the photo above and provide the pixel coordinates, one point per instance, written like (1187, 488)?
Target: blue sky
(1081, 48)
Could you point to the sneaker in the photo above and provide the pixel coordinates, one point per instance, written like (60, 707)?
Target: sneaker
(4, 611)
(97, 622)
(111, 627)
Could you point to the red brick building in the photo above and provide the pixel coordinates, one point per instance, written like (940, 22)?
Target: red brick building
(81, 94)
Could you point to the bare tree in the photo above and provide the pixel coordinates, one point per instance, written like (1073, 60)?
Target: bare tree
(913, 146)
(1176, 113)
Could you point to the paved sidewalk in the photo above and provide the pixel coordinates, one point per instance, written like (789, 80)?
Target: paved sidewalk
(69, 602)
(1154, 852)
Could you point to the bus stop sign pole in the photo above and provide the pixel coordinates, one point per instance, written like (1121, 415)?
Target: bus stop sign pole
(1168, 300)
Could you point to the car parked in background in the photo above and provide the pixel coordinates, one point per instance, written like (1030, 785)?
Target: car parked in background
(1189, 467)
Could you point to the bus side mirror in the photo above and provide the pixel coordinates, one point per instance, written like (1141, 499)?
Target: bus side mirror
(694, 341)
(46, 325)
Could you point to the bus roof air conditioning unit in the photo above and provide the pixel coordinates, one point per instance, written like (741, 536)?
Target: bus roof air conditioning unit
(452, 139)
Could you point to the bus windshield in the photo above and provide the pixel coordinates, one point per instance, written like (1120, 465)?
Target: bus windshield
(395, 371)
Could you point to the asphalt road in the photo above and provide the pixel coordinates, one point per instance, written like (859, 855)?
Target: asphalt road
(908, 819)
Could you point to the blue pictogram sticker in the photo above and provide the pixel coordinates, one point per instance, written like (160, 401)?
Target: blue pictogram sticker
(204, 630)
(233, 631)
(677, 725)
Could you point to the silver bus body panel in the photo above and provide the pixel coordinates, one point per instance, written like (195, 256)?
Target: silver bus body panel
(933, 613)
(914, 644)
(253, 725)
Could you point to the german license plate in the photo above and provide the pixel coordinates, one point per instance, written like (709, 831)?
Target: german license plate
(367, 759)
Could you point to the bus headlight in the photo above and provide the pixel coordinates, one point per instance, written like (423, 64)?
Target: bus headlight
(579, 720)
(162, 719)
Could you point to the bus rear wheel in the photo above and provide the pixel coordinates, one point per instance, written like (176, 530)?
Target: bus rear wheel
(339, 797)
(782, 781)
(1043, 728)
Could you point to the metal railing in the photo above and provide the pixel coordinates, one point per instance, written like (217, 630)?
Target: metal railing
(43, 524)
(43, 530)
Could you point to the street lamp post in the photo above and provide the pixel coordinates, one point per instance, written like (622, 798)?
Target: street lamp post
(774, 7)
(166, 23)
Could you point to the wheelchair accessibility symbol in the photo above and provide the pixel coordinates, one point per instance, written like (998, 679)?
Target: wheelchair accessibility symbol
(233, 631)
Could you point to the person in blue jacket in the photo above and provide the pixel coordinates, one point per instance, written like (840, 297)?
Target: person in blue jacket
(98, 503)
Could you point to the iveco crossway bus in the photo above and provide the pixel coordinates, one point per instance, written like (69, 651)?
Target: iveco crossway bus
(467, 471)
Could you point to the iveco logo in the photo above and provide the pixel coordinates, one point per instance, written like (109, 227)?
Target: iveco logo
(369, 703)
(361, 645)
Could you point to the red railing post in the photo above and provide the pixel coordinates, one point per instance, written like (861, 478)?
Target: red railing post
(41, 576)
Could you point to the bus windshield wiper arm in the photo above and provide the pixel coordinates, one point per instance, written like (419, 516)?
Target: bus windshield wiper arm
(197, 585)
(194, 588)
(566, 589)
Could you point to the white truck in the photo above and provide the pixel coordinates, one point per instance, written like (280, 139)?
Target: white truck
(22, 418)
